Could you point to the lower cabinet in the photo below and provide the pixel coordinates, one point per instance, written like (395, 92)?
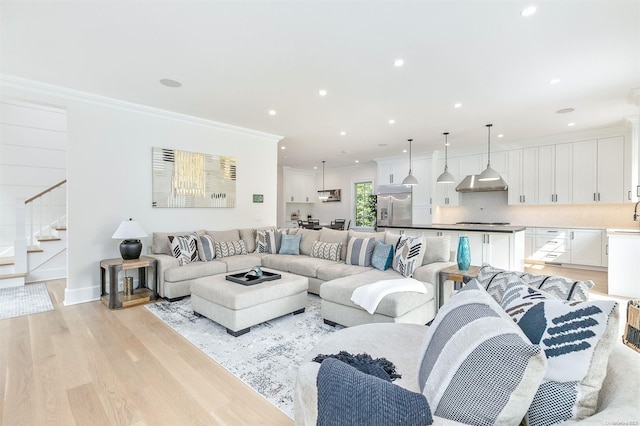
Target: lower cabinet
(571, 246)
(490, 248)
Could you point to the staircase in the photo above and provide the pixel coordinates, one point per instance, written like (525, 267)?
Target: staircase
(40, 248)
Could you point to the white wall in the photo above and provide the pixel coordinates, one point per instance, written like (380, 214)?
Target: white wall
(109, 174)
(33, 144)
(343, 178)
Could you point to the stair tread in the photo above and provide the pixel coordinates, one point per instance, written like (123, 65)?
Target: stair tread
(9, 276)
(60, 228)
(5, 261)
(48, 239)
(34, 249)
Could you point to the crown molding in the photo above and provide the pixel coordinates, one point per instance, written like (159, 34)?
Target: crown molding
(65, 93)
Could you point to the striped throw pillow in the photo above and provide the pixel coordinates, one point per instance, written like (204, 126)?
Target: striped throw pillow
(478, 366)
(408, 255)
(577, 338)
(360, 250)
(208, 248)
(184, 248)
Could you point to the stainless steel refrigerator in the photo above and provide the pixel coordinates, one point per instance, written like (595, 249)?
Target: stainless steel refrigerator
(394, 205)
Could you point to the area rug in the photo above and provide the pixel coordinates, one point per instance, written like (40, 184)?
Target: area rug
(24, 300)
(266, 358)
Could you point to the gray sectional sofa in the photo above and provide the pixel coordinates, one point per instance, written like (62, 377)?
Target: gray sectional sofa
(333, 281)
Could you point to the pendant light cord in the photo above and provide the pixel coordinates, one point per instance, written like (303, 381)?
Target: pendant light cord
(446, 151)
(410, 140)
(489, 146)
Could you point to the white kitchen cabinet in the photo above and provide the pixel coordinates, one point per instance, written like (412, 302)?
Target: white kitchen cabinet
(422, 197)
(553, 245)
(624, 268)
(446, 194)
(523, 176)
(598, 171)
(586, 247)
(554, 174)
(470, 165)
(499, 162)
(490, 248)
(529, 242)
(299, 186)
(392, 172)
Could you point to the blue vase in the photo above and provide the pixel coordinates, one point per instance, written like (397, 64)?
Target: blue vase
(464, 254)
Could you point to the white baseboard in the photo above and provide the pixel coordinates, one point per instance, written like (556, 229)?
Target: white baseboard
(46, 275)
(12, 282)
(81, 295)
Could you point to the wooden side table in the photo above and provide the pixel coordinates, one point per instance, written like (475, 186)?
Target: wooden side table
(459, 277)
(115, 299)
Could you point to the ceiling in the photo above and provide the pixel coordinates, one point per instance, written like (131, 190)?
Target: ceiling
(237, 60)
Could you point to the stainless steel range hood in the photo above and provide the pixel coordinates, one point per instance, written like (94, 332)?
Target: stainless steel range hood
(471, 184)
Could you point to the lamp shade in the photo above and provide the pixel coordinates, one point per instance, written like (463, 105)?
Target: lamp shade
(410, 180)
(129, 230)
(446, 177)
(488, 175)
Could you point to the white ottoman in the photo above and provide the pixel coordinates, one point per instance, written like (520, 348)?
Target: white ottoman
(238, 307)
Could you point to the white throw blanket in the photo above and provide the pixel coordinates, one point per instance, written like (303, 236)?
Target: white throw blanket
(369, 296)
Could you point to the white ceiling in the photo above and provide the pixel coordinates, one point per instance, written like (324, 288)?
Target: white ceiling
(238, 60)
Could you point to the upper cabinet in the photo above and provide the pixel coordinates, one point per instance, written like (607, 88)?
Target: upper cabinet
(598, 171)
(555, 174)
(392, 172)
(523, 176)
(299, 186)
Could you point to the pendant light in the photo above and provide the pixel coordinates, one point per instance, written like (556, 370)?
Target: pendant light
(410, 180)
(446, 177)
(323, 195)
(489, 174)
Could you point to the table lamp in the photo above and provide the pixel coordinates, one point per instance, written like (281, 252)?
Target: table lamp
(131, 247)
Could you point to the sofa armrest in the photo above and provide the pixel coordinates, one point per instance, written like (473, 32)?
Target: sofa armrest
(164, 262)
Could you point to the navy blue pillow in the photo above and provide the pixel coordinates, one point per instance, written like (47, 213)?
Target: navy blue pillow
(382, 256)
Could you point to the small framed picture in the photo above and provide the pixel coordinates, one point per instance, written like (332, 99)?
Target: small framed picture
(258, 198)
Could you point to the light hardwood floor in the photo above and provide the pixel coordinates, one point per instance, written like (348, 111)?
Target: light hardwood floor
(88, 365)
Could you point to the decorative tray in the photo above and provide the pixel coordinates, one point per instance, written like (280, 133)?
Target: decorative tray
(251, 280)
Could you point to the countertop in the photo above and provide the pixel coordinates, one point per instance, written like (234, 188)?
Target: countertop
(453, 227)
(623, 231)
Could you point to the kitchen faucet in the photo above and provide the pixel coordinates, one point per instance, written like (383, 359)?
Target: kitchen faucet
(635, 212)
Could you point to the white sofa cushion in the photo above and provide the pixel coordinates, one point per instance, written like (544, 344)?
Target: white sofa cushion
(478, 366)
(328, 235)
(436, 249)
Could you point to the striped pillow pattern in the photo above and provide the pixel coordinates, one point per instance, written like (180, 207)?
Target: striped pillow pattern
(230, 248)
(577, 338)
(324, 250)
(408, 255)
(478, 366)
(261, 241)
(184, 248)
(360, 251)
(208, 248)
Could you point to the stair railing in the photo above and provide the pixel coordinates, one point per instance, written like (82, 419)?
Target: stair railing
(45, 212)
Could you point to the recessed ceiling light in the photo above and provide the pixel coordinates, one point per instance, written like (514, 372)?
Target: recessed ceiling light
(528, 11)
(283, 147)
(170, 83)
(571, 124)
(398, 62)
(392, 121)
(343, 133)
(357, 161)
(457, 105)
(554, 81)
(322, 92)
(272, 112)
(565, 110)
(404, 151)
(315, 167)
(500, 135)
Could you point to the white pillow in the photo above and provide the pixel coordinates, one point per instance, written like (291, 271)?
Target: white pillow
(577, 338)
(408, 254)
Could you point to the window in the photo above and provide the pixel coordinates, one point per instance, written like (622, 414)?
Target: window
(365, 204)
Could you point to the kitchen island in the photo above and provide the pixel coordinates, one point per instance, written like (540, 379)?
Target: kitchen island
(499, 245)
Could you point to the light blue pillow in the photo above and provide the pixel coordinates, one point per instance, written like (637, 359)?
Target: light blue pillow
(290, 244)
(382, 256)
